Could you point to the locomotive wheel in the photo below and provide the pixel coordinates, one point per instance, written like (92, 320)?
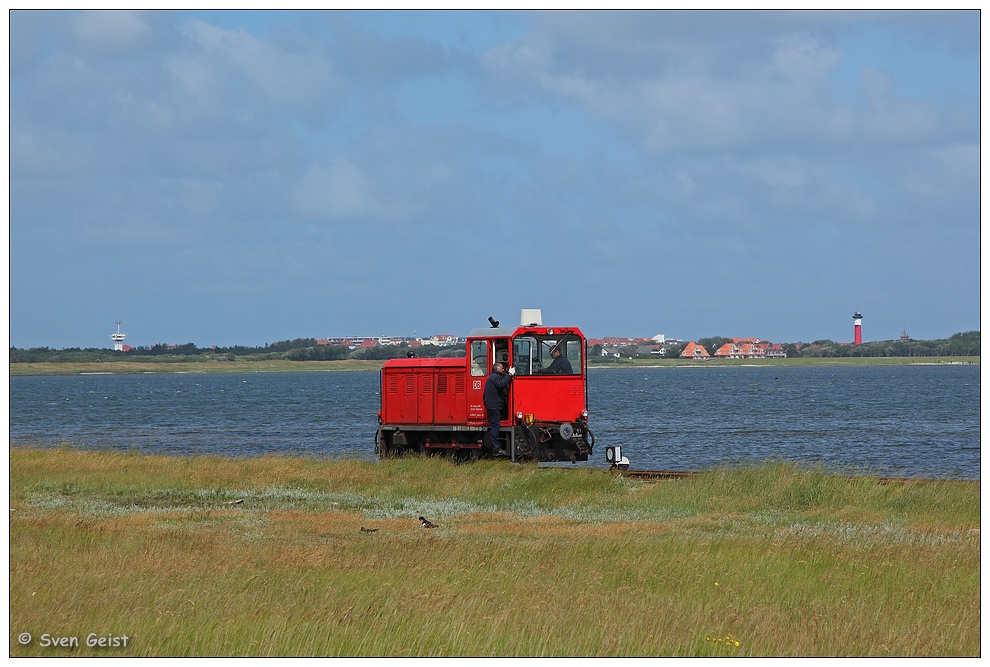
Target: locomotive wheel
(529, 448)
(385, 448)
(544, 450)
(464, 455)
(487, 450)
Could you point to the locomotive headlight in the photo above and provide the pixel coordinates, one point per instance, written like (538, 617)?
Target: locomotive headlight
(614, 456)
(584, 415)
(519, 415)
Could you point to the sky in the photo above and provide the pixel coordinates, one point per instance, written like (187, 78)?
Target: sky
(239, 178)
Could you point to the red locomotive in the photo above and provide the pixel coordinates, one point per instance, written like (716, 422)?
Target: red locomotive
(435, 405)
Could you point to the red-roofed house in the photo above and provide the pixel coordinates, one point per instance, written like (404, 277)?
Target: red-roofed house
(750, 348)
(776, 350)
(694, 351)
(728, 351)
(752, 351)
(742, 350)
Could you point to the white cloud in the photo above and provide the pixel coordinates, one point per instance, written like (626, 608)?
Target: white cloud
(876, 83)
(110, 31)
(677, 185)
(773, 87)
(286, 134)
(941, 179)
(296, 75)
(136, 228)
(518, 57)
(777, 172)
(803, 60)
(338, 191)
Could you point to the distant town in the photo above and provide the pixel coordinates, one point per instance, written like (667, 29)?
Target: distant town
(659, 346)
(599, 350)
(610, 346)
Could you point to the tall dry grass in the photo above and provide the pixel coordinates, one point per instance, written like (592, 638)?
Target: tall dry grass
(754, 561)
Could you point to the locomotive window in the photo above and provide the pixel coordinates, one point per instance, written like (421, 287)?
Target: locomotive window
(570, 348)
(479, 358)
(573, 353)
(501, 349)
(522, 355)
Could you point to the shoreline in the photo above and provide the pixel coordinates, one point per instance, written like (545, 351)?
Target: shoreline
(134, 367)
(637, 476)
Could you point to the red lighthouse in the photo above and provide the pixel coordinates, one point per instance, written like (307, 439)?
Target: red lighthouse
(857, 328)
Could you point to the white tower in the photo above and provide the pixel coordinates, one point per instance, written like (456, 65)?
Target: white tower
(118, 338)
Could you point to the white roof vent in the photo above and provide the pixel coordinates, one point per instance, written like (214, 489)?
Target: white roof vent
(531, 317)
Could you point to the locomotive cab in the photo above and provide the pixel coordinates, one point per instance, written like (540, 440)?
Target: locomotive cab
(545, 416)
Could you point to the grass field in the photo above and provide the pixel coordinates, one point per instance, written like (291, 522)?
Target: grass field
(206, 556)
(283, 366)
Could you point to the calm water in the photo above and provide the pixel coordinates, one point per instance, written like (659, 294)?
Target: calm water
(894, 420)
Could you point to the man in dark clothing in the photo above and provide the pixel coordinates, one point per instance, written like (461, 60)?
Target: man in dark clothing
(496, 393)
(560, 365)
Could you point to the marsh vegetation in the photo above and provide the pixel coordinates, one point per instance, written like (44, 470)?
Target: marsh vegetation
(211, 556)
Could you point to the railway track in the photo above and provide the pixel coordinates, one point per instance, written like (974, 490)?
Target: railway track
(653, 475)
(657, 475)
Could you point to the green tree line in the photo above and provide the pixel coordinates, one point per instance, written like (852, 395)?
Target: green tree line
(957, 345)
(306, 349)
(298, 349)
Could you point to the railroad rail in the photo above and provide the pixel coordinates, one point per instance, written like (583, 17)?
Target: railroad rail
(657, 475)
(653, 475)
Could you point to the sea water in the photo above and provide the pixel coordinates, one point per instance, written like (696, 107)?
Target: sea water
(915, 420)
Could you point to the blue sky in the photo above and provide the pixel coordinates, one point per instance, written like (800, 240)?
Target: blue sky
(228, 178)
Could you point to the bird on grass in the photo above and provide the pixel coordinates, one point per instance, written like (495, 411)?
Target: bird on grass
(425, 523)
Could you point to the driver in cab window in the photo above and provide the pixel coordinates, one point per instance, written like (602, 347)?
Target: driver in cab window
(560, 365)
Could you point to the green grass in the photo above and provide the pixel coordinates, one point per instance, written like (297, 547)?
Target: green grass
(527, 561)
